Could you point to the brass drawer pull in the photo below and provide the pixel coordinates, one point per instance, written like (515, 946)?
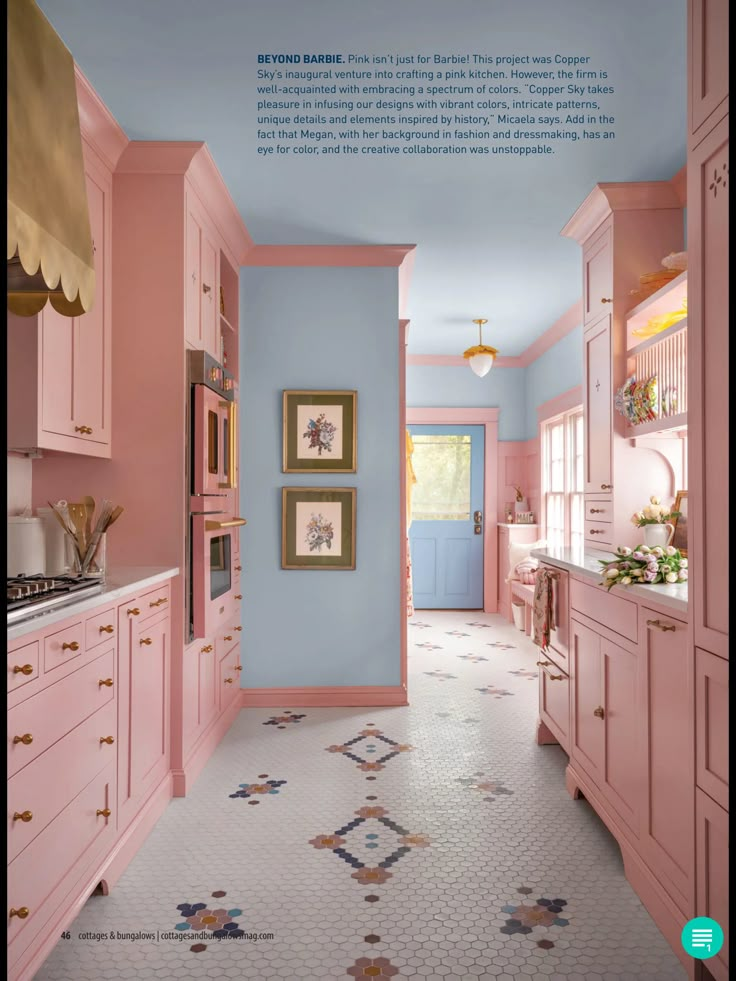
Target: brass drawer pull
(74, 646)
(21, 913)
(661, 626)
(107, 682)
(206, 288)
(599, 713)
(228, 681)
(133, 611)
(23, 669)
(543, 664)
(158, 602)
(107, 739)
(606, 299)
(207, 649)
(238, 667)
(238, 568)
(597, 531)
(238, 596)
(228, 637)
(109, 629)
(104, 812)
(85, 430)
(26, 739)
(597, 510)
(555, 677)
(24, 816)
(238, 628)
(606, 486)
(146, 641)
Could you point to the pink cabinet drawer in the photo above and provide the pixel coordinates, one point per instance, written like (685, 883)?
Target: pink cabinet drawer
(37, 723)
(599, 510)
(598, 532)
(45, 872)
(229, 679)
(554, 701)
(612, 611)
(711, 725)
(227, 638)
(62, 646)
(23, 665)
(100, 628)
(155, 600)
(40, 791)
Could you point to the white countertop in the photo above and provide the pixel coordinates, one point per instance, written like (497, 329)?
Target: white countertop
(585, 563)
(118, 583)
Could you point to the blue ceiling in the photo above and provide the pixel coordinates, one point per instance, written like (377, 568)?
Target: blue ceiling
(487, 231)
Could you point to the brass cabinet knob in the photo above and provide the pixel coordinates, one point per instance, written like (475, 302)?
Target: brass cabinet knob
(104, 812)
(599, 712)
(22, 669)
(107, 739)
(24, 816)
(108, 629)
(598, 531)
(661, 626)
(238, 667)
(238, 568)
(544, 664)
(606, 486)
(21, 913)
(146, 641)
(238, 628)
(206, 288)
(133, 611)
(74, 646)
(606, 299)
(597, 510)
(26, 739)
(556, 677)
(238, 596)
(228, 637)
(207, 649)
(85, 430)
(107, 682)
(228, 681)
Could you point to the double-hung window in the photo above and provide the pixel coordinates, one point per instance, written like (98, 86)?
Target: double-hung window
(562, 478)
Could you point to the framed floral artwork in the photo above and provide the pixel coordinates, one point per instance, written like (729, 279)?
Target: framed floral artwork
(320, 431)
(679, 539)
(318, 528)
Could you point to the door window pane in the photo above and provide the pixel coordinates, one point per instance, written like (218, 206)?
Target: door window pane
(442, 468)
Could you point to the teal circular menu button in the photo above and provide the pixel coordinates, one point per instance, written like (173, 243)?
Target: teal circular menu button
(702, 937)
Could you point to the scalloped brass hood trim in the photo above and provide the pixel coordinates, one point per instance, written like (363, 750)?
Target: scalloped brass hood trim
(50, 254)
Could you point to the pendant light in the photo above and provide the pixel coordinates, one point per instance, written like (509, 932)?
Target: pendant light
(481, 356)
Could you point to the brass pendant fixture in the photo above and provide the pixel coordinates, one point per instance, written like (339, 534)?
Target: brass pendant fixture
(481, 356)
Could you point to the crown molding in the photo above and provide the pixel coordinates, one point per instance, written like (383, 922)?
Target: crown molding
(97, 124)
(605, 199)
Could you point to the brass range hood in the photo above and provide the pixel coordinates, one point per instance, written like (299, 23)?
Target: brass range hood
(50, 254)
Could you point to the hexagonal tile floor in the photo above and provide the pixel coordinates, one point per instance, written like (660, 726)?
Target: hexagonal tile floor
(433, 841)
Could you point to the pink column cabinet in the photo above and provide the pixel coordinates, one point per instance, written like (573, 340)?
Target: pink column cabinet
(711, 837)
(598, 274)
(708, 75)
(201, 280)
(665, 696)
(59, 395)
(597, 409)
(711, 726)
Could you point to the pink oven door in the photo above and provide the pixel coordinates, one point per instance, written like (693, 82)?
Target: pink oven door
(212, 571)
(215, 442)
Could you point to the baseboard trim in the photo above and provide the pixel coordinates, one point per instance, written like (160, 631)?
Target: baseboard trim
(332, 697)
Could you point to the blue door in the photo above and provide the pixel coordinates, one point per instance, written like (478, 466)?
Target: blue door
(447, 521)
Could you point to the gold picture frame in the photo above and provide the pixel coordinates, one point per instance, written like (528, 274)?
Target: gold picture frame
(320, 431)
(318, 527)
(679, 538)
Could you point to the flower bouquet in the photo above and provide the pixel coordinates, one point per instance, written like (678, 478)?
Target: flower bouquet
(655, 513)
(644, 565)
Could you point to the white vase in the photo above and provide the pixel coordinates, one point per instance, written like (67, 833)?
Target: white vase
(659, 534)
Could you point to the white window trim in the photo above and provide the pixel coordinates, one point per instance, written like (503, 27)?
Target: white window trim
(567, 419)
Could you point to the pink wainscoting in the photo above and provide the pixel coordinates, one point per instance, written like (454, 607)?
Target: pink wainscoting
(329, 697)
(487, 417)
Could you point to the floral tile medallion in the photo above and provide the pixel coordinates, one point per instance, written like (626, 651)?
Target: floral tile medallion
(368, 738)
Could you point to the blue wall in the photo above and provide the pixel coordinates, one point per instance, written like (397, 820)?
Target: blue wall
(320, 328)
(556, 371)
(445, 385)
(515, 391)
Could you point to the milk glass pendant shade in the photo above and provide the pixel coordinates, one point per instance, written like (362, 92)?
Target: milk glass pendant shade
(481, 356)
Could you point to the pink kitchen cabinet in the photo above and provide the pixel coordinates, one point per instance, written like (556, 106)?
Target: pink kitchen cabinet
(597, 408)
(622, 782)
(708, 75)
(59, 395)
(587, 742)
(598, 274)
(711, 726)
(202, 280)
(711, 823)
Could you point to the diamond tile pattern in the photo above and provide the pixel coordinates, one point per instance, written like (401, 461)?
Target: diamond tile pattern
(530, 887)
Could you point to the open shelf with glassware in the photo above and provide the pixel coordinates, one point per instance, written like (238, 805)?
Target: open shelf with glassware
(656, 342)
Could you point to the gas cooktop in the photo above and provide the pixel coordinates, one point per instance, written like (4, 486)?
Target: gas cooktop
(30, 596)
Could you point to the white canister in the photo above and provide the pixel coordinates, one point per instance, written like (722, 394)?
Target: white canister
(26, 546)
(56, 564)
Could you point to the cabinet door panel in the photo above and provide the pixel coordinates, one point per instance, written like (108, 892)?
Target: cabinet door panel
(623, 769)
(711, 725)
(148, 702)
(91, 338)
(598, 276)
(711, 842)
(57, 335)
(708, 42)
(209, 689)
(209, 315)
(665, 698)
(585, 673)
(598, 422)
(193, 284)
(708, 343)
